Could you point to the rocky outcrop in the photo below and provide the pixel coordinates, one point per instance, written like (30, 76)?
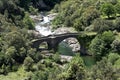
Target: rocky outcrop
(73, 43)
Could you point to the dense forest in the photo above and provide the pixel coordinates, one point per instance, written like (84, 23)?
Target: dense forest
(19, 61)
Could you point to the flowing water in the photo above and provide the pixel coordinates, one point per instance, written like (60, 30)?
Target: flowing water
(43, 27)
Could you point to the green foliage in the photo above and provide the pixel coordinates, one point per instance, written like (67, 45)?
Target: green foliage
(116, 46)
(56, 57)
(117, 24)
(40, 75)
(68, 13)
(75, 70)
(108, 37)
(33, 11)
(101, 45)
(78, 25)
(27, 22)
(57, 22)
(48, 63)
(117, 64)
(108, 9)
(100, 25)
(16, 52)
(117, 8)
(97, 47)
(10, 52)
(103, 70)
(28, 63)
(89, 15)
(113, 57)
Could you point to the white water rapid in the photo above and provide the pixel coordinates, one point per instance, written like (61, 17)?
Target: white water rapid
(44, 26)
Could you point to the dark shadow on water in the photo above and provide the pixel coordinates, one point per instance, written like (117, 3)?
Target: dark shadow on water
(64, 49)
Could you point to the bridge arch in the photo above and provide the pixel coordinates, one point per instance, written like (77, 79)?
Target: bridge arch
(69, 46)
(59, 40)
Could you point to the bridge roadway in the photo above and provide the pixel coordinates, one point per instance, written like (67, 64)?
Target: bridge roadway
(56, 36)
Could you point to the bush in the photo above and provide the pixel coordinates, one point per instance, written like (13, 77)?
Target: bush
(28, 63)
(101, 44)
(113, 57)
(56, 58)
(101, 25)
(116, 46)
(108, 9)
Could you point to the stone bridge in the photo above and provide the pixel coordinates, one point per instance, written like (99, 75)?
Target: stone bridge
(54, 40)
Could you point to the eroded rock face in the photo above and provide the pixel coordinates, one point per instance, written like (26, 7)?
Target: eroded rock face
(72, 42)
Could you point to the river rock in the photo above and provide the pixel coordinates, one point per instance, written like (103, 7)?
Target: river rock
(52, 16)
(36, 18)
(34, 33)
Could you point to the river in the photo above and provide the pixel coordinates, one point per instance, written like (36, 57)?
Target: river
(44, 28)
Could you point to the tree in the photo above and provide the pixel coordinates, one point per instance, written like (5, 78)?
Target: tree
(108, 9)
(28, 22)
(33, 11)
(117, 8)
(78, 25)
(113, 57)
(97, 48)
(101, 44)
(25, 4)
(89, 15)
(117, 64)
(108, 37)
(28, 63)
(116, 46)
(100, 25)
(17, 41)
(117, 24)
(113, 1)
(103, 70)
(75, 70)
